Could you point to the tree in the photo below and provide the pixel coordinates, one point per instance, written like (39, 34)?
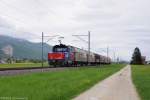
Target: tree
(136, 57)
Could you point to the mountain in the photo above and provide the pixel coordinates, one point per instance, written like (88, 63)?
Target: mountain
(20, 48)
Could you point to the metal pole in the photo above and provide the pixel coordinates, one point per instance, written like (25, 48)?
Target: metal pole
(89, 42)
(107, 53)
(42, 47)
(114, 56)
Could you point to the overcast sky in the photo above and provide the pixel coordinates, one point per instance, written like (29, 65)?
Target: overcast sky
(119, 24)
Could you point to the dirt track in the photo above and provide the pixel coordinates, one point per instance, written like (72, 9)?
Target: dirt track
(116, 87)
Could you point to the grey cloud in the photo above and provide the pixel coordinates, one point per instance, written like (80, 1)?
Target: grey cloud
(121, 24)
(4, 23)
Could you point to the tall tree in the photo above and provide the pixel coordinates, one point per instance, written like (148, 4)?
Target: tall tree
(136, 57)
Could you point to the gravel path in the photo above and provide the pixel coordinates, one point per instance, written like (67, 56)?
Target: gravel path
(116, 87)
(27, 71)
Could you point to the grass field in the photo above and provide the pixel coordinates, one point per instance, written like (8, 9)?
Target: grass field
(22, 65)
(141, 79)
(60, 85)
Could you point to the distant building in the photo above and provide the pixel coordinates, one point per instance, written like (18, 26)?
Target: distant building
(148, 62)
(143, 59)
(8, 50)
(2, 61)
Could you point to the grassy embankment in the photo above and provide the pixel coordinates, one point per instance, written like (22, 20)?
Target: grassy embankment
(141, 79)
(59, 85)
(18, 65)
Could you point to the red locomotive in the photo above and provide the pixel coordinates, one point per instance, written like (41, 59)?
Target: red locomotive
(63, 55)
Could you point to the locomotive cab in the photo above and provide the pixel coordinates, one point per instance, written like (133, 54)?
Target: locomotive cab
(60, 55)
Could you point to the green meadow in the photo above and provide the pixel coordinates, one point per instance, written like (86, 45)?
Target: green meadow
(58, 85)
(141, 79)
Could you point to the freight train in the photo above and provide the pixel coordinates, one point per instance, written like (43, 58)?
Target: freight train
(63, 55)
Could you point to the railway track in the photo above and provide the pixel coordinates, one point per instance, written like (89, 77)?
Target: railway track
(25, 70)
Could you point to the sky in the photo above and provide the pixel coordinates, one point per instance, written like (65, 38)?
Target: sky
(120, 25)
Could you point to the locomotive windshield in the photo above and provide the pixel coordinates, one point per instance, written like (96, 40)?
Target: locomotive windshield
(60, 49)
